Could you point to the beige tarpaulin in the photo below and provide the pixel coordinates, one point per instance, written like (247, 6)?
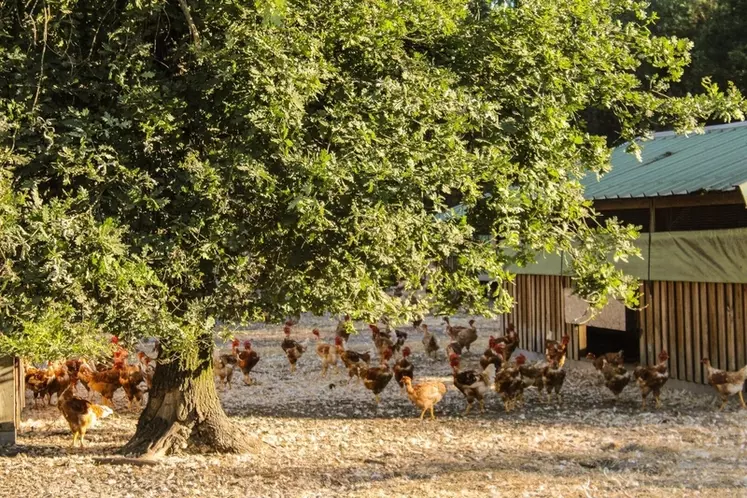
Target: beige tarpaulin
(698, 256)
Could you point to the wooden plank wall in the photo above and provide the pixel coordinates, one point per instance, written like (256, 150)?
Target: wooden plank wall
(9, 400)
(690, 320)
(538, 311)
(693, 320)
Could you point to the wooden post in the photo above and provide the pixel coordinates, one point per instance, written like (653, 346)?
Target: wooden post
(582, 345)
(8, 404)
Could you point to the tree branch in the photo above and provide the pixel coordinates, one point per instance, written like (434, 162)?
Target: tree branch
(192, 28)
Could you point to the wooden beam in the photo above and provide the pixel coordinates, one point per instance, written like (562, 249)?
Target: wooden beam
(670, 201)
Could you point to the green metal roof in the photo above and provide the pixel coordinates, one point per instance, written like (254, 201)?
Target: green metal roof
(677, 164)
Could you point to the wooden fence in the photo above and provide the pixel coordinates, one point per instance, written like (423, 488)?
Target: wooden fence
(690, 320)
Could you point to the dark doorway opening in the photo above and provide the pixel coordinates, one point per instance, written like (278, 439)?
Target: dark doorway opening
(600, 340)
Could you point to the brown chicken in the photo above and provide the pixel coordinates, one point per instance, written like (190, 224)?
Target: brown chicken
(615, 377)
(147, 368)
(615, 359)
(36, 381)
(381, 340)
(726, 383)
(293, 350)
(493, 356)
(508, 382)
(326, 352)
(223, 370)
(404, 368)
(556, 351)
(449, 330)
(224, 365)
(511, 340)
(80, 414)
(355, 362)
(467, 335)
(473, 385)
(401, 336)
(248, 359)
(73, 367)
(652, 379)
(58, 380)
(130, 378)
(425, 395)
(376, 379)
(453, 348)
(105, 383)
(553, 377)
(430, 343)
(532, 376)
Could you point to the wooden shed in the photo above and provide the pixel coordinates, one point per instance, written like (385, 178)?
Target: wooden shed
(11, 398)
(688, 194)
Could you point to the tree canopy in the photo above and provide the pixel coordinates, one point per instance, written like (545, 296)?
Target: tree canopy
(718, 30)
(170, 163)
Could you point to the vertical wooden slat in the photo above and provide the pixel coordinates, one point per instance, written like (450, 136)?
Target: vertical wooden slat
(731, 350)
(704, 323)
(688, 331)
(712, 324)
(740, 330)
(697, 338)
(538, 310)
(545, 313)
(540, 313)
(641, 326)
(650, 346)
(549, 326)
(679, 329)
(527, 312)
(721, 320)
(555, 299)
(659, 304)
(670, 333)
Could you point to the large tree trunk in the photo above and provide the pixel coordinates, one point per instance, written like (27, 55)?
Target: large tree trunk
(184, 411)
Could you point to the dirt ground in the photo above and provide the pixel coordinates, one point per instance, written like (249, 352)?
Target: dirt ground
(322, 437)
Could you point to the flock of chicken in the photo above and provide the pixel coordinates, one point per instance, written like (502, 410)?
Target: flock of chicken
(512, 377)
(61, 378)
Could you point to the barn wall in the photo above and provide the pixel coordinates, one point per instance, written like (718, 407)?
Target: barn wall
(693, 320)
(538, 309)
(690, 320)
(11, 398)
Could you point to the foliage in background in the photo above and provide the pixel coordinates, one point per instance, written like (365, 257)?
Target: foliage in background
(718, 30)
(174, 163)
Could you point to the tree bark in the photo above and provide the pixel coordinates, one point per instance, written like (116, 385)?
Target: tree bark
(184, 412)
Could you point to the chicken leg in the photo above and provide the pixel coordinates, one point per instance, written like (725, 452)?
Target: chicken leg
(741, 398)
(469, 407)
(482, 406)
(433, 417)
(423, 413)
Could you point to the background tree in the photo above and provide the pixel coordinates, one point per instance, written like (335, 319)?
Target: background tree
(718, 29)
(177, 162)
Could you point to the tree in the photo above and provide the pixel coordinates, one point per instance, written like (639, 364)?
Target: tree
(178, 162)
(718, 29)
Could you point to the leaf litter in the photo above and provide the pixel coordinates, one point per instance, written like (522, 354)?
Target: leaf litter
(325, 437)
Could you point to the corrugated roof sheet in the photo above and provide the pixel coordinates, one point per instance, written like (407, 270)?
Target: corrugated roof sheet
(677, 164)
